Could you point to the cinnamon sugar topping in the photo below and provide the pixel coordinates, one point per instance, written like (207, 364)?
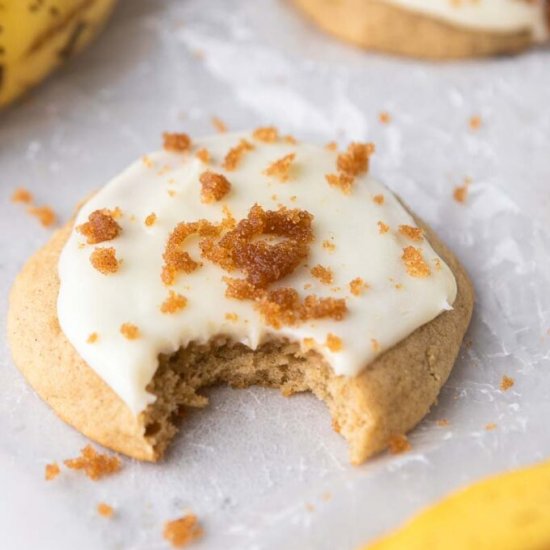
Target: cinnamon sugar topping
(181, 532)
(268, 134)
(176, 142)
(174, 303)
(105, 260)
(203, 155)
(129, 331)
(383, 228)
(234, 156)
(506, 383)
(343, 181)
(357, 286)
(414, 262)
(51, 471)
(413, 233)
(280, 169)
(324, 274)
(355, 161)
(213, 186)
(94, 464)
(100, 227)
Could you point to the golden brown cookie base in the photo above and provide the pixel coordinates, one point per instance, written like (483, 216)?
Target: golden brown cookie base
(378, 26)
(389, 397)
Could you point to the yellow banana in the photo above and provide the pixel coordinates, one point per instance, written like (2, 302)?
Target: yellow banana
(37, 35)
(507, 512)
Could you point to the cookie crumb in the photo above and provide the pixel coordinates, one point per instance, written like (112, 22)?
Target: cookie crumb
(176, 142)
(398, 444)
(414, 262)
(267, 134)
(375, 345)
(235, 154)
(280, 169)
(213, 187)
(333, 343)
(442, 422)
(22, 195)
(460, 192)
(328, 245)
(219, 125)
(355, 160)
(174, 303)
(233, 317)
(92, 338)
(105, 510)
(331, 146)
(94, 464)
(51, 471)
(490, 426)
(384, 117)
(129, 331)
(383, 227)
(100, 227)
(182, 531)
(378, 199)
(105, 260)
(203, 155)
(413, 233)
(45, 215)
(324, 274)
(343, 181)
(506, 383)
(474, 122)
(151, 219)
(357, 286)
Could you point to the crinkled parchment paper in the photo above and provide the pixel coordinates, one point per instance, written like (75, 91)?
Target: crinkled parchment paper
(262, 471)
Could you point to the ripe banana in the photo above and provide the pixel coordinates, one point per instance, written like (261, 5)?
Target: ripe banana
(508, 512)
(37, 35)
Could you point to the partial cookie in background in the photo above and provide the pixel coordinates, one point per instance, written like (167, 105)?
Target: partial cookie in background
(434, 29)
(387, 398)
(36, 37)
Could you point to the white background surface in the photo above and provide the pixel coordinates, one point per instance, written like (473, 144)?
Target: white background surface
(250, 463)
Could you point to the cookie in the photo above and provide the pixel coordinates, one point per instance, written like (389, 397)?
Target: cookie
(241, 265)
(439, 29)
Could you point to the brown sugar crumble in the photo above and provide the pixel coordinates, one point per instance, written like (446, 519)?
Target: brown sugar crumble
(104, 510)
(235, 154)
(280, 169)
(343, 181)
(213, 187)
(355, 160)
(105, 260)
(92, 338)
(383, 227)
(151, 219)
(413, 233)
(174, 303)
(203, 155)
(398, 444)
(378, 199)
(324, 274)
(333, 343)
(384, 117)
(506, 383)
(176, 142)
(414, 262)
(22, 195)
(219, 125)
(474, 122)
(182, 531)
(51, 471)
(268, 134)
(45, 215)
(100, 227)
(357, 286)
(129, 331)
(94, 464)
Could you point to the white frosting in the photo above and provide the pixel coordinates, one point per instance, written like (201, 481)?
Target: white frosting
(489, 15)
(393, 307)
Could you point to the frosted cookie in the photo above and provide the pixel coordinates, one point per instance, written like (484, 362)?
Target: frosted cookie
(436, 29)
(240, 259)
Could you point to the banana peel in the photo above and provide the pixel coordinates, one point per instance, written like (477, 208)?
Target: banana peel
(508, 512)
(36, 36)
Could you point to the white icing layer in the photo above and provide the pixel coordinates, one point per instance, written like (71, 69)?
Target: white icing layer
(393, 306)
(489, 15)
